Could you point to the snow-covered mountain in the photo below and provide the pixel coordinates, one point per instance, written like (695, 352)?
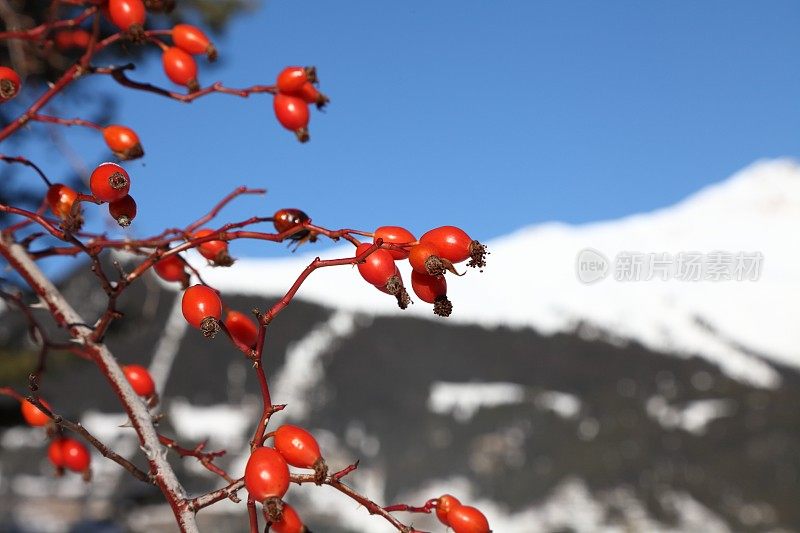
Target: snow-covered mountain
(532, 278)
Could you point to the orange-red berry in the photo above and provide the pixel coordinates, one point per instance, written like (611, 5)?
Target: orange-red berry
(289, 522)
(444, 504)
(456, 246)
(291, 79)
(191, 39)
(292, 113)
(60, 199)
(55, 453)
(214, 250)
(432, 289)
(171, 268)
(109, 182)
(32, 414)
(266, 474)
(140, 379)
(395, 235)
(202, 308)
(9, 84)
(378, 266)
(180, 67)
(297, 446)
(466, 519)
(123, 210)
(127, 15)
(123, 141)
(241, 327)
(75, 455)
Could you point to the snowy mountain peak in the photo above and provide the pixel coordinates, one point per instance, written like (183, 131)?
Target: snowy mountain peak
(532, 278)
(770, 187)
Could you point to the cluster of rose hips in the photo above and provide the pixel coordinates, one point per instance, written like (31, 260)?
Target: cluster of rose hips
(462, 518)
(266, 476)
(109, 183)
(296, 88)
(435, 253)
(66, 453)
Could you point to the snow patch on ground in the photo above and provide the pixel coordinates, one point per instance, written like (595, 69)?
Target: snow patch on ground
(693, 418)
(223, 425)
(303, 369)
(563, 404)
(462, 400)
(571, 506)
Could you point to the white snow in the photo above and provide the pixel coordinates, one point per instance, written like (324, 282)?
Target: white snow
(563, 404)
(531, 279)
(463, 400)
(224, 425)
(303, 367)
(18, 437)
(572, 506)
(694, 417)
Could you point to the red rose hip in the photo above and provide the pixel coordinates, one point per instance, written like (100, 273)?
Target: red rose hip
(202, 308)
(109, 182)
(266, 474)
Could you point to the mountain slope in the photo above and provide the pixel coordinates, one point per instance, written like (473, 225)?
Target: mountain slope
(531, 280)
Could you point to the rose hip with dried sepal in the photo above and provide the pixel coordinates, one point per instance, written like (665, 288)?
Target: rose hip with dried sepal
(300, 449)
(266, 478)
(123, 141)
(379, 270)
(290, 522)
(425, 259)
(9, 84)
(292, 79)
(109, 182)
(127, 15)
(191, 39)
(433, 290)
(456, 246)
(215, 251)
(123, 210)
(202, 309)
(292, 113)
(180, 67)
(312, 95)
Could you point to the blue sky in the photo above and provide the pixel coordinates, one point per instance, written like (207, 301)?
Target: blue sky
(487, 115)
